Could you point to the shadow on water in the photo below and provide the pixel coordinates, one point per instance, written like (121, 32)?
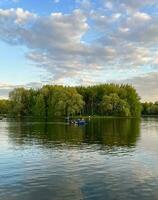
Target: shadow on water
(106, 132)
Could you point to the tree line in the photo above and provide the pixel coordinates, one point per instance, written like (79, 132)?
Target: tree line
(149, 108)
(4, 106)
(55, 100)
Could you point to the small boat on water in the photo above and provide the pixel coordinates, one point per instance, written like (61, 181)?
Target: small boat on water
(78, 122)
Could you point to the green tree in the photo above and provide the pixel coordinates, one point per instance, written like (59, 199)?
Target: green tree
(113, 105)
(55, 100)
(70, 102)
(19, 101)
(38, 109)
(4, 106)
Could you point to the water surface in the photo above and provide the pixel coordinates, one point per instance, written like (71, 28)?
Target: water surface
(106, 159)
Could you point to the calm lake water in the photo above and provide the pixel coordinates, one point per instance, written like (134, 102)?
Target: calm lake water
(112, 159)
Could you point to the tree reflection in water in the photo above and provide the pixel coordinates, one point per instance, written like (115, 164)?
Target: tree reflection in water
(107, 132)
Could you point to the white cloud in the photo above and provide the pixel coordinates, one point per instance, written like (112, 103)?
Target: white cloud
(5, 88)
(146, 86)
(15, 16)
(141, 16)
(128, 5)
(125, 39)
(108, 5)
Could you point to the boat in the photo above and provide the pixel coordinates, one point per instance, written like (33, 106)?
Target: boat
(79, 122)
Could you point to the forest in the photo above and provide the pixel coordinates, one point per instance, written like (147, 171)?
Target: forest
(4, 106)
(149, 108)
(55, 100)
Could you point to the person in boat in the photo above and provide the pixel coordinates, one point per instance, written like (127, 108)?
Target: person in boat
(71, 121)
(78, 120)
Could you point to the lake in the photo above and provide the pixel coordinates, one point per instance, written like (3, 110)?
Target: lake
(112, 159)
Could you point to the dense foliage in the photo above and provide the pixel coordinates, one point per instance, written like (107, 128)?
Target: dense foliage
(48, 101)
(150, 108)
(110, 99)
(4, 107)
(53, 100)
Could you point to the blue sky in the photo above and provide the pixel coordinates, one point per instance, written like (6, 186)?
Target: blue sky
(76, 42)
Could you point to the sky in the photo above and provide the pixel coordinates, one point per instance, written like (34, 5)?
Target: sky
(79, 42)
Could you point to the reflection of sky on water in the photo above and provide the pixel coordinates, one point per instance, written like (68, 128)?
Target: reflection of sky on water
(35, 165)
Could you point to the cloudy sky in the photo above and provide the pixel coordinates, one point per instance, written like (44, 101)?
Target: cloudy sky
(76, 42)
